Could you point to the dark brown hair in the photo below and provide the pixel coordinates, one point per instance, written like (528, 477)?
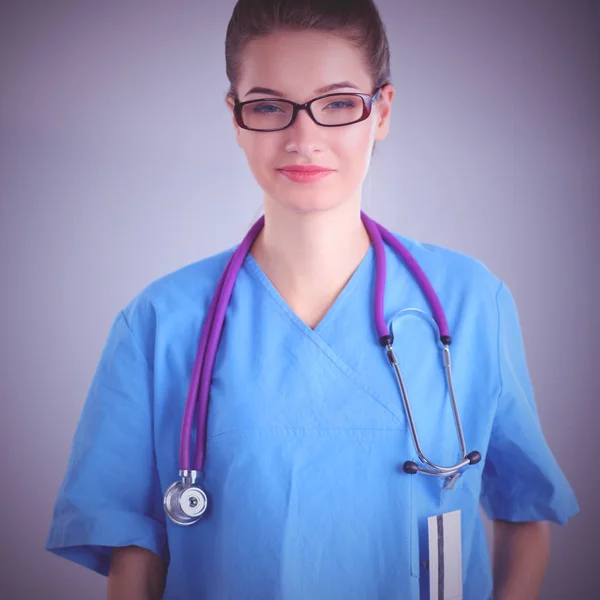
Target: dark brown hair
(357, 21)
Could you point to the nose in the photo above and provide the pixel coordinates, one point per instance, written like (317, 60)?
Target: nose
(303, 119)
(304, 133)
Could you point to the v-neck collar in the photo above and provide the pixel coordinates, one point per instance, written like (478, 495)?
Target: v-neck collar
(360, 272)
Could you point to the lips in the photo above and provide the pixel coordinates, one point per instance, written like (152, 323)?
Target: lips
(304, 168)
(304, 175)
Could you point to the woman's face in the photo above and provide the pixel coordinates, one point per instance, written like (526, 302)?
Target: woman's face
(297, 64)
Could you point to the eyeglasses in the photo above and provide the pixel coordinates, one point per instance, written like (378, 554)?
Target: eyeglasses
(331, 110)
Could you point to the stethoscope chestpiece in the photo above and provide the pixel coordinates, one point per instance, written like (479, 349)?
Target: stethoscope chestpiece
(184, 501)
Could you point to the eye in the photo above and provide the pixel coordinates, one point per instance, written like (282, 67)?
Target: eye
(337, 104)
(265, 108)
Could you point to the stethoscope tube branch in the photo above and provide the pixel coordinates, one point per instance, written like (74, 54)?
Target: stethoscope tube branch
(437, 470)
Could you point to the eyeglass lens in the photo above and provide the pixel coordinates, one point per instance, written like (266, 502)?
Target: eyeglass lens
(338, 109)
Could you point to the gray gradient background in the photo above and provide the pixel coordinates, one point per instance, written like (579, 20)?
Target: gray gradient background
(118, 165)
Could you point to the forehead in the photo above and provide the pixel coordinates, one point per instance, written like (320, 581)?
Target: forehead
(299, 62)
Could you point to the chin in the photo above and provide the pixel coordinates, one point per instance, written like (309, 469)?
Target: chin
(307, 203)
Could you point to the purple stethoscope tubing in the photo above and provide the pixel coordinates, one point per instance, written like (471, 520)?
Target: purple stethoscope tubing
(198, 393)
(205, 357)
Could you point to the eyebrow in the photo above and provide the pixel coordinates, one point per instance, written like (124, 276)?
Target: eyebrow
(322, 90)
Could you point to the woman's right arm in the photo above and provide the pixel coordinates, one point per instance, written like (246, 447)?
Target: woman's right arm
(111, 495)
(135, 574)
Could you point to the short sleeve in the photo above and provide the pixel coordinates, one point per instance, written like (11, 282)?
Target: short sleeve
(521, 479)
(110, 494)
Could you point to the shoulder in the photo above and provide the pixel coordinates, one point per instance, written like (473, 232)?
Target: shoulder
(470, 293)
(451, 271)
(176, 295)
(187, 282)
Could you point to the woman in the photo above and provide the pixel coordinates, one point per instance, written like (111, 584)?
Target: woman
(307, 432)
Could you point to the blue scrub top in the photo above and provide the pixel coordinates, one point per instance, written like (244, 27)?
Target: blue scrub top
(307, 436)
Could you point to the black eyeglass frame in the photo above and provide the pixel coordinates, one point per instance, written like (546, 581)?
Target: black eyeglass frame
(367, 101)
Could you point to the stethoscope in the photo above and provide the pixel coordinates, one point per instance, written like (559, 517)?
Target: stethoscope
(185, 501)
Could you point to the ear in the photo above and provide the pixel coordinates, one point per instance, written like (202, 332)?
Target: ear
(384, 111)
(230, 102)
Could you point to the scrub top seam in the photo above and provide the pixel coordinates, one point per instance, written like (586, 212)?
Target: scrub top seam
(136, 344)
(320, 343)
(498, 349)
(151, 403)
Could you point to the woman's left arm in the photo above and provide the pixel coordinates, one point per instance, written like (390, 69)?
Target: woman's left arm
(520, 557)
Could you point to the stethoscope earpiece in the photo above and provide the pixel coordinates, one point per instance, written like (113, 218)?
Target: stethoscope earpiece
(474, 457)
(410, 467)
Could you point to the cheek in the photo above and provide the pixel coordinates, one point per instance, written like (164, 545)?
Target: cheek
(261, 153)
(354, 148)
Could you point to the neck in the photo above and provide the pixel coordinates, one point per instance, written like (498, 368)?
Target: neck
(309, 255)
